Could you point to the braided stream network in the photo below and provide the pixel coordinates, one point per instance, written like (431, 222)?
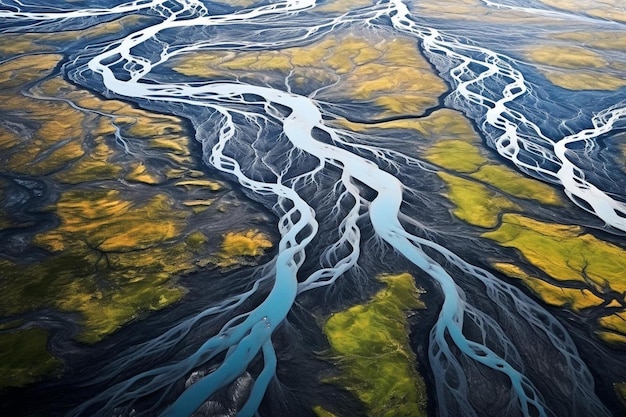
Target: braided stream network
(312, 172)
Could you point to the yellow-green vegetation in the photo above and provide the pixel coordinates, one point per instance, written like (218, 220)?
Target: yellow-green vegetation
(456, 154)
(161, 133)
(571, 65)
(7, 138)
(372, 349)
(15, 44)
(195, 240)
(139, 173)
(475, 203)
(92, 165)
(572, 298)
(119, 246)
(322, 412)
(117, 250)
(585, 81)
(103, 221)
(576, 68)
(513, 183)
(24, 358)
(389, 73)
(112, 259)
(614, 328)
(606, 9)
(570, 57)
(596, 39)
(454, 145)
(465, 157)
(237, 247)
(566, 253)
(57, 138)
(211, 185)
(439, 125)
(198, 206)
(15, 73)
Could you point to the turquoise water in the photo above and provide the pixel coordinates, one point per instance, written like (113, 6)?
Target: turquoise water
(345, 201)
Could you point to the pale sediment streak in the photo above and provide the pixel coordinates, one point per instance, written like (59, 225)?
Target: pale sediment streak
(248, 335)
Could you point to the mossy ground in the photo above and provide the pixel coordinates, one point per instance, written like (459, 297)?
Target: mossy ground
(606, 9)
(475, 203)
(388, 73)
(583, 60)
(573, 298)
(24, 358)
(565, 253)
(236, 247)
(372, 350)
(321, 412)
(489, 195)
(120, 244)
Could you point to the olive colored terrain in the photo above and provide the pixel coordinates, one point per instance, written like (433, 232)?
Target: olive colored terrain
(576, 67)
(22, 43)
(371, 348)
(581, 271)
(585, 271)
(24, 357)
(120, 242)
(583, 59)
(604, 9)
(390, 74)
(564, 265)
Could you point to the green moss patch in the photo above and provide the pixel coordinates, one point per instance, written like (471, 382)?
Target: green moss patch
(373, 350)
(322, 412)
(564, 252)
(516, 184)
(457, 155)
(573, 298)
(236, 247)
(475, 203)
(24, 358)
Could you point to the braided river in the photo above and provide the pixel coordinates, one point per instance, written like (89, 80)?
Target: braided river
(478, 146)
